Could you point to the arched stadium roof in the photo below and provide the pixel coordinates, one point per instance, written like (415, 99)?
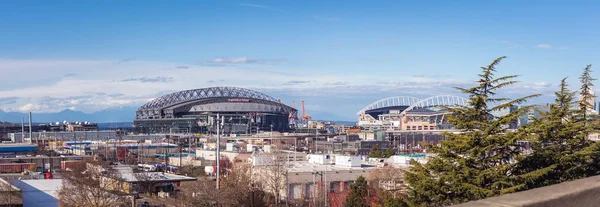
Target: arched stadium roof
(204, 93)
(442, 100)
(223, 99)
(416, 103)
(389, 102)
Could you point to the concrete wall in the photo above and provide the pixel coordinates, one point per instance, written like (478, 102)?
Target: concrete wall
(185, 161)
(581, 193)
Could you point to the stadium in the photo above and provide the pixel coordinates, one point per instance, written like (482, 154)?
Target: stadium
(403, 113)
(244, 111)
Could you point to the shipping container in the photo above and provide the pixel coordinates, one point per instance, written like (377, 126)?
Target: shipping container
(70, 164)
(16, 167)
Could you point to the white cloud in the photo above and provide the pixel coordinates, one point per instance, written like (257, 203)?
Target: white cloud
(244, 60)
(156, 79)
(100, 84)
(254, 5)
(544, 46)
(32, 107)
(261, 6)
(97, 82)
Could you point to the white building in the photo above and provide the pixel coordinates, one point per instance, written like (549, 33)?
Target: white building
(212, 153)
(403, 161)
(319, 159)
(347, 161)
(281, 157)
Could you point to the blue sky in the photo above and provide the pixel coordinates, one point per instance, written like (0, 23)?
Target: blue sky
(337, 55)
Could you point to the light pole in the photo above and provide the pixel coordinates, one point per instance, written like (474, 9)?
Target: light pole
(218, 158)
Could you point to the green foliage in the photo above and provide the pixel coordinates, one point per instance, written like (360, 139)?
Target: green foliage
(394, 202)
(561, 150)
(389, 152)
(555, 136)
(478, 162)
(585, 92)
(358, 191)
(376, 152)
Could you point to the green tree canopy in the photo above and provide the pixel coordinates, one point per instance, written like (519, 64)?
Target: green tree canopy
(478, 162)
(554, 139)
(389, 152)
(394, 202)
(358, 191)
(586, 96)
(376, 152)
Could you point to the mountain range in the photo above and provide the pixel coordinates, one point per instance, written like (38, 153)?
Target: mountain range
(115, 114)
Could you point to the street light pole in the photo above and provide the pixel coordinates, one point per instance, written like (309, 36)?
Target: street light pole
(218, 148)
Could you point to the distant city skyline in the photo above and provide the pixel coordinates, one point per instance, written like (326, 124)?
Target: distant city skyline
(337, 56)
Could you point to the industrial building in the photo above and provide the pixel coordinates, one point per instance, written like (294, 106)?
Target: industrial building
(11, 150)
(244, 111)
(307, 179)
(63, 136)
(7, 128)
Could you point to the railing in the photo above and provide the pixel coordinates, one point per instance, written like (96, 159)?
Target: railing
(581, 193)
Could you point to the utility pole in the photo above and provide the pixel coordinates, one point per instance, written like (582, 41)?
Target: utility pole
(180, 151)
(218, 158)
(315, 140)
(323, 186)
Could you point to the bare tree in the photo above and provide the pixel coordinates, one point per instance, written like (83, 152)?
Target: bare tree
(202, 193)
(86, 185)
(236, 190)
(239, 185)
(388, 178)
(9, 195)
(272, 176)
(145, 182)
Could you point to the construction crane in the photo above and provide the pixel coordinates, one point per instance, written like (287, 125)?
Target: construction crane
(304, 115)
(293, 117)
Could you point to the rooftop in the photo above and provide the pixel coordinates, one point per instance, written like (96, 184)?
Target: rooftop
(304, 166)
(154, 176)
(39, 189)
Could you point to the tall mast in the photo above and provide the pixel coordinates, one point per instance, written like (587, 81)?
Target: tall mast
(22, 129)
(30, 131)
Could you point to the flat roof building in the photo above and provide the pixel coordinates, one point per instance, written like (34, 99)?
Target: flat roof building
(39, 193)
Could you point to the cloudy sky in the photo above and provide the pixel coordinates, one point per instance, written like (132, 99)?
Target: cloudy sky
(338, 57)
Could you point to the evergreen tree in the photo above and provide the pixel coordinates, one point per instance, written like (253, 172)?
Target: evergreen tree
(358, 191)
(556, 140)
(585, 93)
(389, 152)
(394, 202)
(478, 162)
(376, 152)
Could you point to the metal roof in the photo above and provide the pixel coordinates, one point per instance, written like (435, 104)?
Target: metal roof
(204, 93)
